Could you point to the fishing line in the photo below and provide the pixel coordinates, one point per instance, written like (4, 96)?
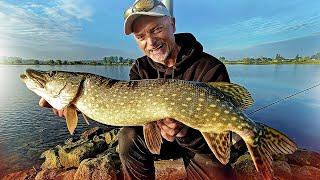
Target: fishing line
(285, 98)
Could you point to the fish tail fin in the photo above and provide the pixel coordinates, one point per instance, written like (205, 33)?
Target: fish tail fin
(268, 142)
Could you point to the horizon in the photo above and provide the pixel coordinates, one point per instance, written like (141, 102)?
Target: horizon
(77, 29)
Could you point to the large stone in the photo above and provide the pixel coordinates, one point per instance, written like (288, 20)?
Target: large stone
(56, 174)
(89, 134)
(29, 174)
(51, 160)
(282, 170)
(101, 168)
(305, 172)
(305, 158)
(245, 169)
(170, 169)
(111, 137)
(72, 157)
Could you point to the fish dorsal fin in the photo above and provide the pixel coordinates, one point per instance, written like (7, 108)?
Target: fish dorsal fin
(153, 138)
(71, 118)
(239, 95)
(220, 144)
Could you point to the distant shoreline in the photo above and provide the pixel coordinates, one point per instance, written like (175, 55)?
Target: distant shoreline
(227, 63)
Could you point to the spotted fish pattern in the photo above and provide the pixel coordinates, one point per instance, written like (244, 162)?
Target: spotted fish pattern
(214, 108)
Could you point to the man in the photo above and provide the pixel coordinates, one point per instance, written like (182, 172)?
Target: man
(167, 55)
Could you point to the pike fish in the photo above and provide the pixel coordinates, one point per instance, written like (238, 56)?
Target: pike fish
(214, 108)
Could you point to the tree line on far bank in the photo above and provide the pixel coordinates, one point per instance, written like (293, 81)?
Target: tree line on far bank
(278, 59)
(118, 60)
(111, 60)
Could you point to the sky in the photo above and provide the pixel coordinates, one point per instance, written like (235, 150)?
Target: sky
(93, 29)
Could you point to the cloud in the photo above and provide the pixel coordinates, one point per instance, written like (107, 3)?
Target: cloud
(258, 29)
(308, 45)
(76, 8)
(34, 24)
(33, 30)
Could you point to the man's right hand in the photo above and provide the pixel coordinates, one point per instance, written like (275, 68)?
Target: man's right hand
(44, 103)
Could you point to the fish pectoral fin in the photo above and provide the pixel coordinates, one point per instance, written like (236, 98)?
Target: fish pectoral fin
(269, 143)
(86, 118)
(71, 118)
(153, 138)
(239, 95)
(220, 144)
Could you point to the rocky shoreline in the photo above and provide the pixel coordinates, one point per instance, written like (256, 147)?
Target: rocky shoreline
(94, 155)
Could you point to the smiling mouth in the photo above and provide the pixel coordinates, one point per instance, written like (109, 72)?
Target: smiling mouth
(156, 49)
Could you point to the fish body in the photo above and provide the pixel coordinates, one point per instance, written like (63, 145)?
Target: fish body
(214, 109)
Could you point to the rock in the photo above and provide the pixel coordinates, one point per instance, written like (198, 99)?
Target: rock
(245, 169)
(111, 137)
(305, 172)
(89, 134)
(56, 174)
(282, 170)
(51, 159)
(101, 168)
(304, 158)
(72, 157)
(170, 169)
(280, 157)
(21, 175)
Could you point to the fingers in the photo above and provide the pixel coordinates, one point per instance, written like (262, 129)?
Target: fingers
(167, 129)
(183, 132)
(170, 129)
(167, 136)
(173, 124)
(44, 103)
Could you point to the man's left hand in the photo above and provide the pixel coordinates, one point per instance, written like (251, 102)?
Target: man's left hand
(170, 129)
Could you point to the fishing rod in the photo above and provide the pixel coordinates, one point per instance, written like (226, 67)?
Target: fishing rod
(285, 98)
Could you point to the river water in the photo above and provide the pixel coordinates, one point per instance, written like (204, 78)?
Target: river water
(26, 130)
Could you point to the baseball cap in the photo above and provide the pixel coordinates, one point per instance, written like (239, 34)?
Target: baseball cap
(143, 7)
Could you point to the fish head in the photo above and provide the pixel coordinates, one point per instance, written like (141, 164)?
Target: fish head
(58, 88)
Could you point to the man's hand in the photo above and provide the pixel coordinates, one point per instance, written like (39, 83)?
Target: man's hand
(44, 103)
(170, 129)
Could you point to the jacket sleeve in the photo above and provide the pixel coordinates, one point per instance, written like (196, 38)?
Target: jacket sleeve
(218, 73)
(134, 72)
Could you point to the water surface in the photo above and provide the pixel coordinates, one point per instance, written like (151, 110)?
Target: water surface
(26, 130)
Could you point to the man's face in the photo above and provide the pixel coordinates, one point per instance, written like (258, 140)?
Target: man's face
(155, 36)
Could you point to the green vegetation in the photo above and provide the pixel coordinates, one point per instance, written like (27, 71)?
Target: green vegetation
(112, 60)
(115, 60)
(314, 59)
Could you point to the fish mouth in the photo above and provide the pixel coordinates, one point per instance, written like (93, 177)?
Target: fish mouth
(35, 76)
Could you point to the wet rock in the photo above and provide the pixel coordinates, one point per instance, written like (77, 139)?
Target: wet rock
(111, 138)
(245, 169)
(102, 168)
(56, 174)
(305, 172)
(170, 169)
(51, 160)
(72, 157)
(305, 158)
(71, 154)
(282, 170)
(29, 174)
(89, 134)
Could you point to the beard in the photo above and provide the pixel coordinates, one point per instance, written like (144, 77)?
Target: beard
(160, 53)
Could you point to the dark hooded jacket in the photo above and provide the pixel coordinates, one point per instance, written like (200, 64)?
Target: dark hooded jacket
(192, 64)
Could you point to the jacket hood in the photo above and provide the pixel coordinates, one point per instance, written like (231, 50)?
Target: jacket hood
(190, 50)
